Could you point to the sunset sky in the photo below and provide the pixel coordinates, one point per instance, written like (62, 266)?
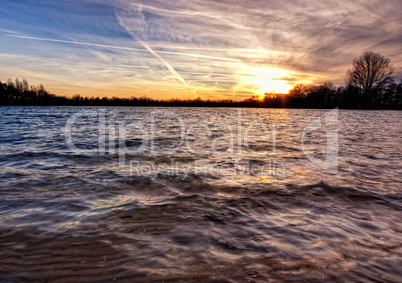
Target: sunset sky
(191, 48)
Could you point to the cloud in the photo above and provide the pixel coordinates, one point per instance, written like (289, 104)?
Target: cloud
(175, 74)
(147, 48)
(158, 47)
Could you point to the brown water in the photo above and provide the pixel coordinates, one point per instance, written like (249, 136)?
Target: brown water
(230, 202)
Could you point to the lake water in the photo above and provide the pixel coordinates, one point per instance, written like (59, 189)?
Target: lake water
(200, 194)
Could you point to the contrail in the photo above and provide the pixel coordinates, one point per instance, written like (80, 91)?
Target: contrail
(340, 22)
(226, 75)
(121, 48)
(175, 74)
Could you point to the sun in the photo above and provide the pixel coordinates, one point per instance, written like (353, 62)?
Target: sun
(269, 80)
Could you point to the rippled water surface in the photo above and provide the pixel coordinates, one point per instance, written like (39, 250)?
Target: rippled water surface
(199, 194)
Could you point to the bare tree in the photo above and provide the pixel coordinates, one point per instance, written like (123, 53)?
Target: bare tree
(370, 73)
(298, 91)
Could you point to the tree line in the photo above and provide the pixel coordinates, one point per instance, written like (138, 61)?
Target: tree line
(369, 86)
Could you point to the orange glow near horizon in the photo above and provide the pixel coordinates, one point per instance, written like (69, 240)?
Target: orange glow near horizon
(269, 80)
(251, 81)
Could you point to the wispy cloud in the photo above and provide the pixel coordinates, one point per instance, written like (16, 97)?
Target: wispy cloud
(172, 48)
(168, 66)
(120, 47)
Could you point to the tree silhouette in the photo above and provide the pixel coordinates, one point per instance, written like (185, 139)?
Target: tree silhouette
(383, 96)
(370, 74)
